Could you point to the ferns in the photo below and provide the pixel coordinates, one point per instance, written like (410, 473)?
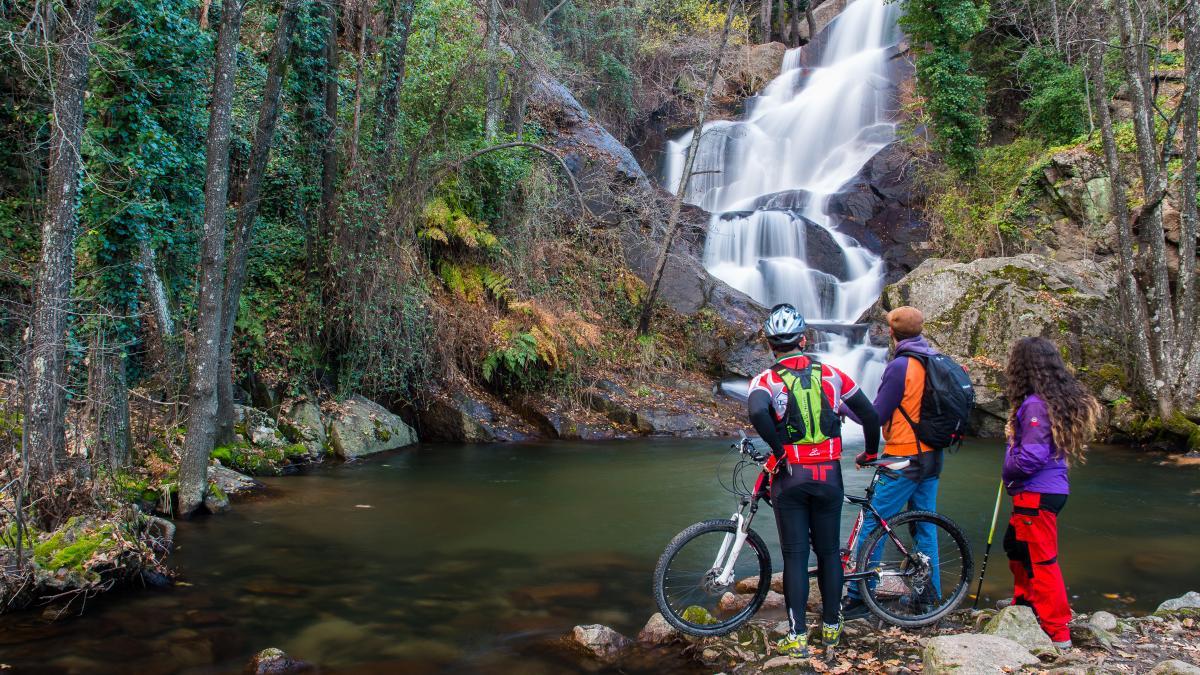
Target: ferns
(452, 228)
(474, 283)
(535, 343)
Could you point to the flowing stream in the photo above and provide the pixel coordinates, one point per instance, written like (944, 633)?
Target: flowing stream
(767, 179)
(471, 559)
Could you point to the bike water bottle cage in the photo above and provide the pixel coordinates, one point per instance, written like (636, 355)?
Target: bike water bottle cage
(809, 419)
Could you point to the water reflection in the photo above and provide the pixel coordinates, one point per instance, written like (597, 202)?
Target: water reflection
(472, 558)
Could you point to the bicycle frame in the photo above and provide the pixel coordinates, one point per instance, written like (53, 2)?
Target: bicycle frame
(731, 545)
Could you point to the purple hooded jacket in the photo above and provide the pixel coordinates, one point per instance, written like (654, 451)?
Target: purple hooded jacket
(1030, 462)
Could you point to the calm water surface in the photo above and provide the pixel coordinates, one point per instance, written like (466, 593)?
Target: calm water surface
(457, 558)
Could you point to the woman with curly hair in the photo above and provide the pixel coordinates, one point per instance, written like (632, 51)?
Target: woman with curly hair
(1053, 417)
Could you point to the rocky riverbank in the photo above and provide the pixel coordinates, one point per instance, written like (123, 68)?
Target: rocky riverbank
(973, 642)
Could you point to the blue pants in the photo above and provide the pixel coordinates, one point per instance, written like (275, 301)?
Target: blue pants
(892, 494)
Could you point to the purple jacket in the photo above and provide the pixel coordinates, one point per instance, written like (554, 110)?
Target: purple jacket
(1030, 464)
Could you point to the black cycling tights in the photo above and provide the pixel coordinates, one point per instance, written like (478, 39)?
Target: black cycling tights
(808, 510)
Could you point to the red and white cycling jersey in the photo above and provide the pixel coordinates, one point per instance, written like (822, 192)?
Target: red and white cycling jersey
(836, 386)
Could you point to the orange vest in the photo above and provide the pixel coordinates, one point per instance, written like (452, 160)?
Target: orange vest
(898, 434)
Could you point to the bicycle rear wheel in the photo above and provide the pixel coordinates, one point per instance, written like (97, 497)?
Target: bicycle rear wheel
(924, 567)
(687, 586)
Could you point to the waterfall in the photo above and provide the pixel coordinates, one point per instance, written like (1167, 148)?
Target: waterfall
(767, 179)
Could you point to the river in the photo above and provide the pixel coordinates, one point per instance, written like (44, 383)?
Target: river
(469, 558)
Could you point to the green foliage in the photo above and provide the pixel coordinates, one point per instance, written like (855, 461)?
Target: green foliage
(73, 545)
(1056, 107)
(954, 96)
(514, 360)
(974, 216)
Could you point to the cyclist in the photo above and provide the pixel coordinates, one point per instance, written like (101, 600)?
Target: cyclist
(897, 404)
(794, 406)
(1052, 419)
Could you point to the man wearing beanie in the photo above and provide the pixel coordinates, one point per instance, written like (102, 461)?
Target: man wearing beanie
(898, 405)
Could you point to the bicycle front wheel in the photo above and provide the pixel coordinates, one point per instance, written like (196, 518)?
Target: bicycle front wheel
(690, 588)
(923, 568)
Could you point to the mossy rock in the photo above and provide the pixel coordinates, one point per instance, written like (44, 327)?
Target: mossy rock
(73, 545)
(362, 427)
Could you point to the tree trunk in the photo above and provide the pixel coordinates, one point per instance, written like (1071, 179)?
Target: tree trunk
(329, 155)
(202, 388)
(393, 77)
(768, 20)
(355, 129)
(204, 6)
(1189, 218)
(1154, 183)
(1131, 294)
(157, 295)
(681, 190)
(811, 19)
(108, 398)
(260, 152)
(43, 442)
(491, 121)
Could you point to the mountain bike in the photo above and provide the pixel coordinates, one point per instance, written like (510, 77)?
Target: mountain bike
(912, 570)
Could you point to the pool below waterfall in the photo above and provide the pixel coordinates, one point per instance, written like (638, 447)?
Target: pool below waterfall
(470, 558)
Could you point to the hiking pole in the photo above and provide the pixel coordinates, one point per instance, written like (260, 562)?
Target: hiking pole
(988, 550)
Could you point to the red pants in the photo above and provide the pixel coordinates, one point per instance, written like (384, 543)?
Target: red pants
(1031, 543)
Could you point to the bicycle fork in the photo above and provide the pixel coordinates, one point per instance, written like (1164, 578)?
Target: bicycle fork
(732, 544)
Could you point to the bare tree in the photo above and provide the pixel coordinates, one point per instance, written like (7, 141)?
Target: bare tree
(202, 387)
(491, 120)
(108, 399)
(1163, 318)
(43, 442)
(260, 152)
(681, 189)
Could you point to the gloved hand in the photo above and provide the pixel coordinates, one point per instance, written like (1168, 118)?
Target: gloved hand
(863, 457)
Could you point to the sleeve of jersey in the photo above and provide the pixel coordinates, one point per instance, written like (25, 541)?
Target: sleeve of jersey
(761, 382)
(849, 386)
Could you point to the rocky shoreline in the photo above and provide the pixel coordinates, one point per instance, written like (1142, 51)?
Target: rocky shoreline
(972, 642)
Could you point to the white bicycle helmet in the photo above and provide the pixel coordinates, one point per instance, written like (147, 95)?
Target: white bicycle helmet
(785, 326)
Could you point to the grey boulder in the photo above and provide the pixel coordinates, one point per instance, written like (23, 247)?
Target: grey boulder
(600, 642)
(361, 427)
(1018, 623)
(974, 654)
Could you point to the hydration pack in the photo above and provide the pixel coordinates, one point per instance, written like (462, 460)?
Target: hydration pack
(945, 403)
(809, 418)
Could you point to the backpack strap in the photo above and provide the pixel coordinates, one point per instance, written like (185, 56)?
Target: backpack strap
(815, 370)
(900, 406)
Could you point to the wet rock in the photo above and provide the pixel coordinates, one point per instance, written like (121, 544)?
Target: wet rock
(674, 424)
(301, 421)
(600, 642)
(215, 499)
(750, 584)
(265, 436)
(361, 427)
(1189, 600)
(657, 631)
(231, 482)
(1175, 667)
(464, 414)
(974, 654)
(273, 661)
(735, 602)
(1018, 623)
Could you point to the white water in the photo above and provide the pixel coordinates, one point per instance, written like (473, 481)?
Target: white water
(811, 130)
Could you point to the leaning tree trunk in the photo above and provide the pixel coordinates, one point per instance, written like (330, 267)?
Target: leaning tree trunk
(260, 152)
(394, 60)
(681, 190)
(108, 399)
(202, 388)
(329, 154)
(1131, 294)
(359, 63)
(43, 442)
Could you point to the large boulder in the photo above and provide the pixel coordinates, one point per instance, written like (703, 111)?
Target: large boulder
(973, 654)
(360, 427)
(657, 631)
(975, 312)
(301, 421)
(1175, 667)
(231, 482)
(1018, 623)
(749, 68)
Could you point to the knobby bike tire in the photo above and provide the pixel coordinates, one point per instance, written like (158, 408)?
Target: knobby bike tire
(754, 545)
(952, 601)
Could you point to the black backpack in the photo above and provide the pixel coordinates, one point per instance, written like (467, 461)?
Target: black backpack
(945, 404)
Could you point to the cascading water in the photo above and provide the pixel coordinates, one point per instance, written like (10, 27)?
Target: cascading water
(767, 179)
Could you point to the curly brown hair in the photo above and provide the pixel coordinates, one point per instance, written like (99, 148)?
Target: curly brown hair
(1036, 367)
